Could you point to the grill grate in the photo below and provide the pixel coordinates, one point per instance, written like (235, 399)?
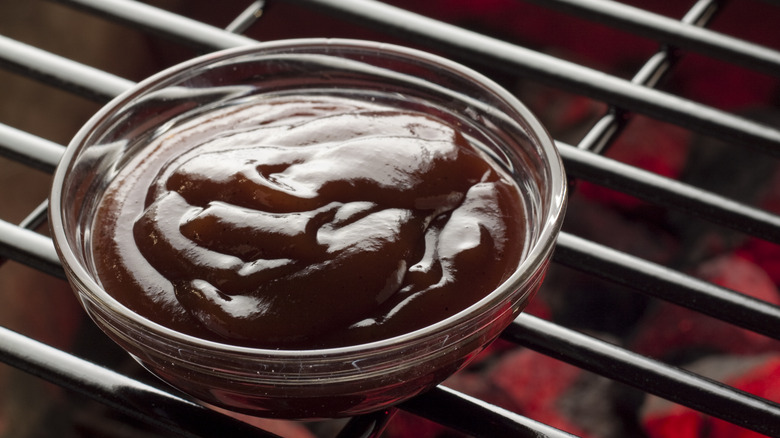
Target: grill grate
(584, 161)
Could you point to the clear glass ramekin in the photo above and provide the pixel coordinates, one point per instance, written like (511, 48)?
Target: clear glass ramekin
(331, 382)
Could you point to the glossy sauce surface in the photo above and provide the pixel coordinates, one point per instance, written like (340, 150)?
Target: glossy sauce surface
(307, 222)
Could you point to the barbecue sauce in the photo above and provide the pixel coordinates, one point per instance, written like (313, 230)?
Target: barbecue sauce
(307, 222)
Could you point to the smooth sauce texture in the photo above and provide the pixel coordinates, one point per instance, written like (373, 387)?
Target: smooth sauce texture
(304, 223)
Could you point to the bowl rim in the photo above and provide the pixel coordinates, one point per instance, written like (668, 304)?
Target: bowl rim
(523, 273)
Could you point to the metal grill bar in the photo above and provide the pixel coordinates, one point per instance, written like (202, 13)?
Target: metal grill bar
(475, 417)
(58, 71)
(161, 22)
(606, 130)
(645, 185)
(670, 193)
(673, 32)
(125, 394)
(374, 422)
(29, 248)
(29, 149)
(246, 18)
(668, 284)
(37, 217)
(671, 383)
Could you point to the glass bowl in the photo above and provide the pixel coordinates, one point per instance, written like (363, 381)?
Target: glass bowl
(329, 382)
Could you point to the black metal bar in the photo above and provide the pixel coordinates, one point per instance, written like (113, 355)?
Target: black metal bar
(36, 217)
(606, 130)
(247, 18)
(370, 425)
(29, 149)
(667, 284)
(32, 221)
(671, 193)
(58, 71)
(475, 417)
(29, 248)
(127, 395)
(570, 76)
(160, 22)
(672, 32)
(671, 383)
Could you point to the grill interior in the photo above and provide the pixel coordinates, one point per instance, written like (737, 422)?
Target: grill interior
(666, 116)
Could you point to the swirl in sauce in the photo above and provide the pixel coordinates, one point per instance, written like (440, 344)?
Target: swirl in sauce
(300, 222)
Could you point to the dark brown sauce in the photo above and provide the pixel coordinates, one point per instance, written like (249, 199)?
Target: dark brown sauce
(304, 223)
